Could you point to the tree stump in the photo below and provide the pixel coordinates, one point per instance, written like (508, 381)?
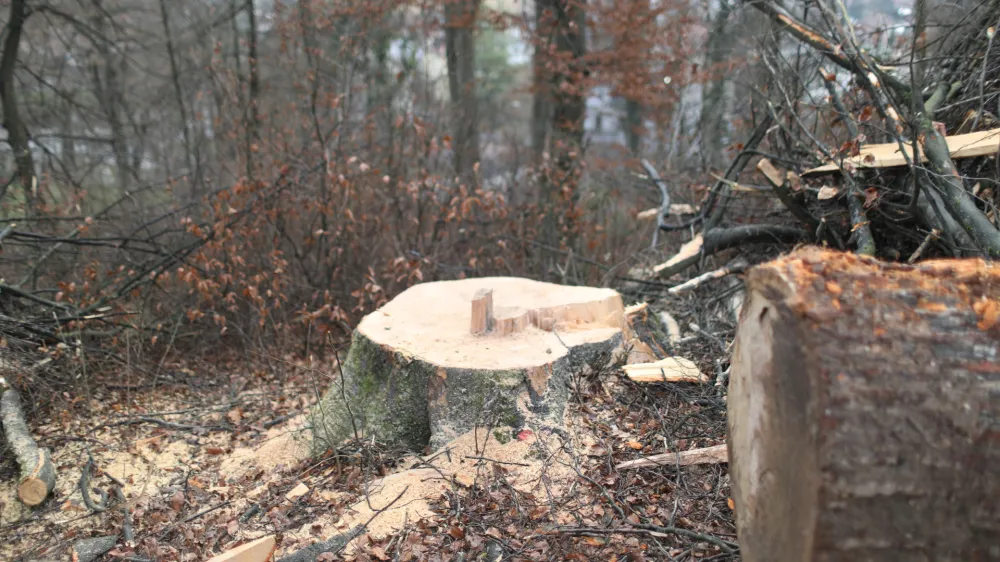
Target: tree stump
(446, 357)
(864, 410)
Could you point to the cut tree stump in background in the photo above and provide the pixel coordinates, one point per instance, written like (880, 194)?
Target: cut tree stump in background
(445, 357)
(864, 411)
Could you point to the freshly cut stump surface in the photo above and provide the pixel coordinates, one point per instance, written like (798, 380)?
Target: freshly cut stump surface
(864, 411)
(422, 370)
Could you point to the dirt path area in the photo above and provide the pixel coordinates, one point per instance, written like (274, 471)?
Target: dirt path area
(206, 468)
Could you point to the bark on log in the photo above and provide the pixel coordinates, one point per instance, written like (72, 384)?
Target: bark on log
(416, 375)
(38, 476)
(864, 410)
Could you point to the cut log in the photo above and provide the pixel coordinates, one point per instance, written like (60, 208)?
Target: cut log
(669, 369)
(88, 550)
(417, 375)
(864, 410)
(259, 550)
(38, 476)
(715, 454)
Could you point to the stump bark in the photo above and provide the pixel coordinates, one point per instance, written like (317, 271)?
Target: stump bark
(864, 411)
(38, 476)
(446, 357)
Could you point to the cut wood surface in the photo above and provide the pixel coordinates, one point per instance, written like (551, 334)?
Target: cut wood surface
(259, 550)
(689, 249)
(969, 145)
(715, 454)
(417, 374)
(864, 410)
(38, 476)
(669, 369)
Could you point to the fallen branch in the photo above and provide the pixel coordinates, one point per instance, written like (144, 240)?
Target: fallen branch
(780, 184)
(650, 530)
(692, 284)
(719, 239)
(670, 369)
(664, 195)
(931, 236)
(38, 476)
(715, 454)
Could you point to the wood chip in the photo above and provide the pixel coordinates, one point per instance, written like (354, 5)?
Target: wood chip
(297, 492)
(670, 369)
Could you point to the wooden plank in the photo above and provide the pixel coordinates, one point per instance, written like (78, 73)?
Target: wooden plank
(715, 454)
(670, 369)
(969, 145)
(259, 550)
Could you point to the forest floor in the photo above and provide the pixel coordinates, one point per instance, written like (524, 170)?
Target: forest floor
(209, 462)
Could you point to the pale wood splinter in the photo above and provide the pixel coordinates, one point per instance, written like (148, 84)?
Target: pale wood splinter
(482, 311)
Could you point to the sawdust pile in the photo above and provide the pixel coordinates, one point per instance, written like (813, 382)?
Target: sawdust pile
(534, 464)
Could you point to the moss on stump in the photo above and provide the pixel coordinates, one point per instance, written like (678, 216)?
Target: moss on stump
(415, 376)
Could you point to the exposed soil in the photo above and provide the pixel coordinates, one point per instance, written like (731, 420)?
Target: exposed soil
(217, 469)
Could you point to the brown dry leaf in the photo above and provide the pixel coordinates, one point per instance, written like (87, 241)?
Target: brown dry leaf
(378, 552)
(177, 500)
(634, 445)
(594, 541)
(235, 415)
(233, 527)
(731, 504)
(456, 533)
(214, 450)
(827, 192)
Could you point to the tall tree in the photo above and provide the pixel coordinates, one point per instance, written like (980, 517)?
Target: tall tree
(561, 26)
(713, 98)
(460, 47)
(253, 100)
(17, 131)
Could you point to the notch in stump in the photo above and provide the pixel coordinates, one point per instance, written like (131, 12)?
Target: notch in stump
(482, 311)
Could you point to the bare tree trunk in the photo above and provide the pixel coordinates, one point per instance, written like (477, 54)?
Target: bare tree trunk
(253, 97)
(713, 98)
(569, 105)
(633, 125)
(460, 46)
(17, 132)
(110, 96)
(179, 94)
(541, 109)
